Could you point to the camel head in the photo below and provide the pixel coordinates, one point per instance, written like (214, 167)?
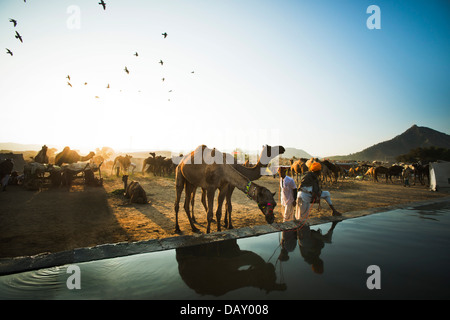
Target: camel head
(268, 153)
(266, 203)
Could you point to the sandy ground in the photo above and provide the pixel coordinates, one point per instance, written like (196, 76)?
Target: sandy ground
(58, 219)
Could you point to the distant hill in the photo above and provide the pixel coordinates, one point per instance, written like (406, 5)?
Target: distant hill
(412, 138)
(11, 146)
(293, 152)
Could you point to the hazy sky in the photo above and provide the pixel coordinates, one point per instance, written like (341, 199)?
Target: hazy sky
(303, 74)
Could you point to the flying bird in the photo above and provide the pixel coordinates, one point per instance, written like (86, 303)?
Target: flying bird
(19, 37)
(160, 61)
(163, 79)
(68, 77)
(103, 4)
(136, 54)
(126, 70)
(13, 21)
(107, 87)
(9, 52)
(68, 83)
(164, 34)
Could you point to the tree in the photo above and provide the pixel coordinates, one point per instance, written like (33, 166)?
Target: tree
(425, 155)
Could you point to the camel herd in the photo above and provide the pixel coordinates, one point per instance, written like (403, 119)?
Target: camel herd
(332, 171)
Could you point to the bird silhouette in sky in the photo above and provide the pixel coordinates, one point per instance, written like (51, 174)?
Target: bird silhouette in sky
(163, 79)
(126, 70)
(136, 54)
(107, 87)
(160, 61)
(103, 4)
(164, 34)
(68, 77)
(18, 36)
(68, 83)
(13, 21)
(9, 52)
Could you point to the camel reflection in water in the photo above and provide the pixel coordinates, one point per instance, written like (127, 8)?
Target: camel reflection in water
(310, 244)
(219, 267)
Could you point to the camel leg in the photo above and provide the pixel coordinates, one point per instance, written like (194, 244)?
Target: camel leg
(228, 209)
(210, 195)
(205, 205)
(220, 198)
(189, 188)
(179, 189)
(192, 205)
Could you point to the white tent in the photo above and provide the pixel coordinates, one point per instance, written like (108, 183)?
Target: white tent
(440, 176)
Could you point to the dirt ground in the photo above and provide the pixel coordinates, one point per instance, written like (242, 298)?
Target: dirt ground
(59, 219)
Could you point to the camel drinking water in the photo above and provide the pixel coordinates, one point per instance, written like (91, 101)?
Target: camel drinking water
(209, 170)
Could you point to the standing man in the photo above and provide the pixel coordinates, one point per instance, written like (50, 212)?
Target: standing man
(310, 192)
(288, 194)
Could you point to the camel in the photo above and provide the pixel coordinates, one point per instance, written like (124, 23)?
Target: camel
(251, 172)
(42, 157)
(394, 170)
(124, 164)
(380, 170)
(371, 172)
(209, 170)
(157, 164)
(299, 167)
(334, 169)
(71, 156)
(134, 192)
(199, 267)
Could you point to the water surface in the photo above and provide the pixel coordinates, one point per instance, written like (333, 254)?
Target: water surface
(329, 261)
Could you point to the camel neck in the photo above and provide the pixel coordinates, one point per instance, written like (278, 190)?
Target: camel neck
(238, 180)
(251, 173)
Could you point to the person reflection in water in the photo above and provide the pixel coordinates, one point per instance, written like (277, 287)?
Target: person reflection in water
(311, 243)
(288, 244)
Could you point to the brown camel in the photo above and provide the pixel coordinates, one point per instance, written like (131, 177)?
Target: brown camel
(71, 156)
(299, 167)
(380, 170)
(42, 157)
(209, 170)
(124, 163)
(250, 172)
(134, 192)
(158, 165)
(371, 172)
(333, 169)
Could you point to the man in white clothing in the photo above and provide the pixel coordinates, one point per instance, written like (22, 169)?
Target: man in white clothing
(288, 194)
(310, 191)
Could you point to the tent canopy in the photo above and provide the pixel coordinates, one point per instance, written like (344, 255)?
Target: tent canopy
(440, 176)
